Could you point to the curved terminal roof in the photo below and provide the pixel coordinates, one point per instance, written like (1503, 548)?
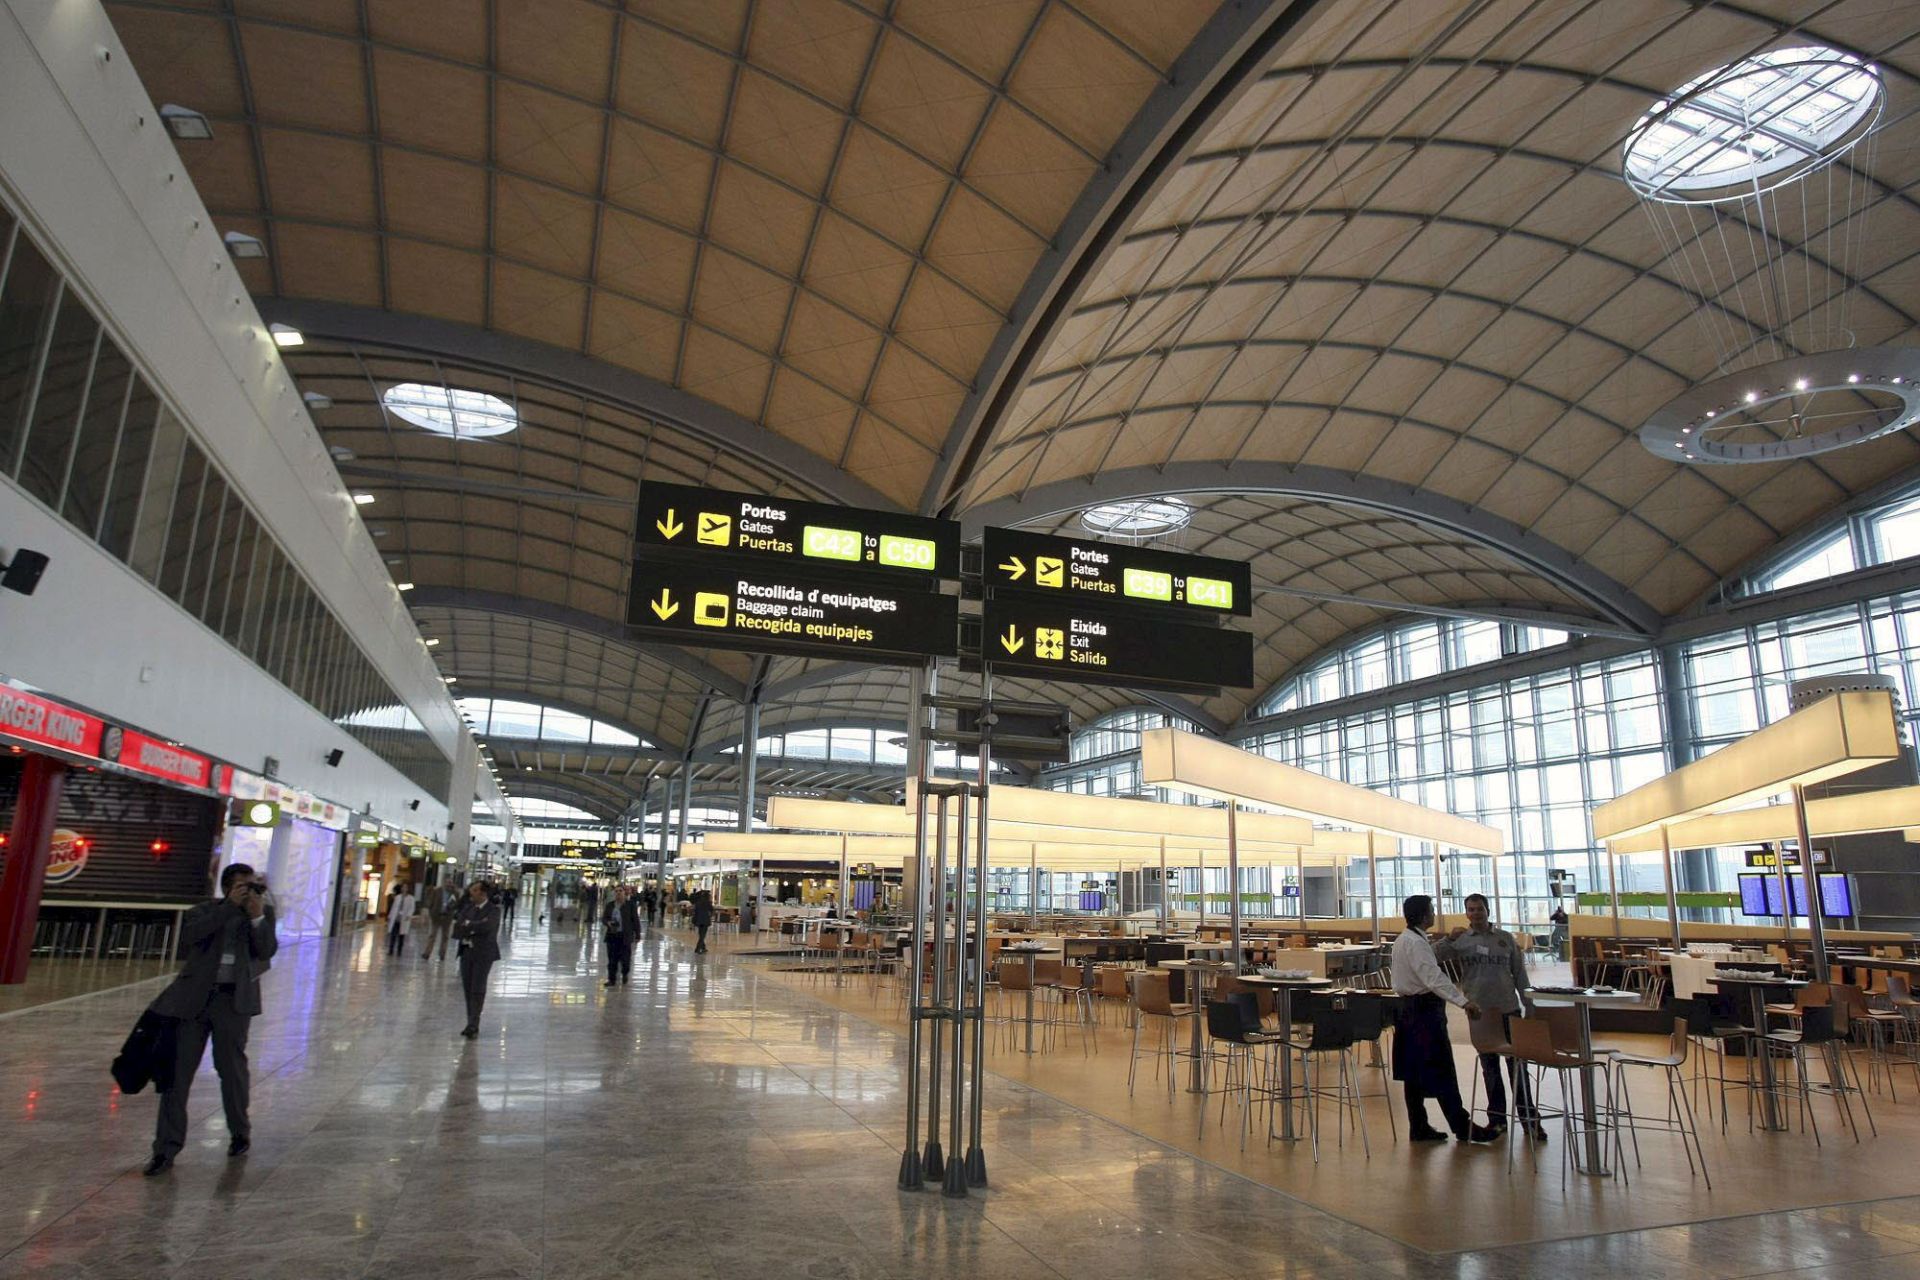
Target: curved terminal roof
(1359, 279)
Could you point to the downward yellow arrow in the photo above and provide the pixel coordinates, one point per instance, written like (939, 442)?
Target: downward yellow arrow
(663, 608)
(1011, 641)
(669, 528)
(1016, 567)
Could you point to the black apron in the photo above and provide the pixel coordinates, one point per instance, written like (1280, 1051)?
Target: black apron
(1421, 1052)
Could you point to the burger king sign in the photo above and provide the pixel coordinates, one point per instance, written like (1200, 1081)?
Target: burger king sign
(68, 858)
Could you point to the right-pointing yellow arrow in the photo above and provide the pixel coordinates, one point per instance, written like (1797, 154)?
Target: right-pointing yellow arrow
(1016, 567)
(1011, 641)
(663, 608)
(669, 528)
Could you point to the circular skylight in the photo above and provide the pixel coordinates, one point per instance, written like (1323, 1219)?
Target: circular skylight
(1753, 125)
(450, 411)
(1138, 517)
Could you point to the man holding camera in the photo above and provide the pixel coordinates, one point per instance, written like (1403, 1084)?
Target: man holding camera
(227, 943)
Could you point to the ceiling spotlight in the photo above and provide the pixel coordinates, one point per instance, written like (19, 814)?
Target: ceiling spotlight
(242, 245)
(362, 499)
(449, 679)
(404, 586)
(315, 402)
(432, 642)
(186, 123)
(1800, 384)
(1752, 396)
(1853, 377)
(284, 335)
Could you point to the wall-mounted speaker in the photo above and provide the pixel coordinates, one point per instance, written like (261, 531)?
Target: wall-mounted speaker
(23, 572)
(335, 756)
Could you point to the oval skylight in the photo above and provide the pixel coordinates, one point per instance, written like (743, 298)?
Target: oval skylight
(1138, 517)
(450, 411)
(1753, 124)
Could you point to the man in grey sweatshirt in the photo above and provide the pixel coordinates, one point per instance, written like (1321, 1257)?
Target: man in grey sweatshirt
(1493, 973)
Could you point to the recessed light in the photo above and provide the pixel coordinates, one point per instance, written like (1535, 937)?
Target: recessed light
(1752, 396)
(362, 499)
(432, 642)
(1800, 384)
(315, 402)
(1853, 377)
(449, 679)
(285, 335)
(403, 586)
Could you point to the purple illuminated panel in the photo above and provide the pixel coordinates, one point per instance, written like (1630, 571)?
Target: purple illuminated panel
(1092, 900)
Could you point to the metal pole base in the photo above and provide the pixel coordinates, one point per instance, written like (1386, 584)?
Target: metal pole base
(910, 1179)
(932, 1164)
(976, 1167)
(954, 1187)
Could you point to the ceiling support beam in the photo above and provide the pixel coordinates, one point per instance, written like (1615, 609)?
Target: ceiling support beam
(1520, 617)
(583, 375)
(1228, 55)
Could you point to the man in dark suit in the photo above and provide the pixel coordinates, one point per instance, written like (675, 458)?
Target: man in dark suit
(228, 943)
(620, 923)
(477, 930)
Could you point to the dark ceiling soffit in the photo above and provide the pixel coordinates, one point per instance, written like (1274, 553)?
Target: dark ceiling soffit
(1551, 561)
(582, 375)
(1230, 54)
(574, 620)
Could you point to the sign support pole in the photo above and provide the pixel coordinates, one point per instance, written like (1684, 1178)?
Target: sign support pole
(1786, 897)
(911, 1173)
(1233, 882)
(1163, 884)
(1373, 885)
(976, 1161)
(1816, 924)
(1673, 900)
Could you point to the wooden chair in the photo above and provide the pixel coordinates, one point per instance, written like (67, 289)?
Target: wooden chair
(1153, 1006)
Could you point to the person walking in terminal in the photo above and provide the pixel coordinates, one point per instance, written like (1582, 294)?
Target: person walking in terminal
(702, 918)
(443, 903)
(401, 905)
(1493, 973)
(477, 930)
(1422, 1055)
(228, 943)
(620, 926)
(509, 899)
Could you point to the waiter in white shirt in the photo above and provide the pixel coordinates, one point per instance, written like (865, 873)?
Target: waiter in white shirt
(1422, 1055)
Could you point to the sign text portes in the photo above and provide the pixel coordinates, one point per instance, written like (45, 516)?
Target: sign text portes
(1115, 576)
(699, 523)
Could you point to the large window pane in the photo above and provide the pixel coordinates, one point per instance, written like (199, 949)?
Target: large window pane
(197, 590)
(185, 522)
(237, 623)
(156, 518)
(55, 420)
(93, 452)
(129, 477)
(27, 299)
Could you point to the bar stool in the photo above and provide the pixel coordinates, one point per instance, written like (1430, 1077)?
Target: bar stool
(1073, 992)
(1877, 1030)
(1236, 1044)
(1679, 1118)
(1335, 1030)
(1151, 1001)
(1708, 1028)
(1822, 1027)
(1532, 1040)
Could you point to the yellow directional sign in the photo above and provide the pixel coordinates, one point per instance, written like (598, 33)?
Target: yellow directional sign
(1012, 642)
(1049, 572)
(670, 527)
(664, 608)
(715, 530)
(710, 609)
(1015, 567)
(729, 605)
(750, 526)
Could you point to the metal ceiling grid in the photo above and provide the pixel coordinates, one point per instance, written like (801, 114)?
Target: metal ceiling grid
(1405, 255)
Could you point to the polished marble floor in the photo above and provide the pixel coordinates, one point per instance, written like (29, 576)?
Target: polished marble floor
(710, 1120)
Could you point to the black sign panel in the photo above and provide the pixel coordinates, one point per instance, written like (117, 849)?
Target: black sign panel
(731, 605)
(809, 536)
(1100, 646)
(1110, 575)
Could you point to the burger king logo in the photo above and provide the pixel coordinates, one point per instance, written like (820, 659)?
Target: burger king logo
(69, 856)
